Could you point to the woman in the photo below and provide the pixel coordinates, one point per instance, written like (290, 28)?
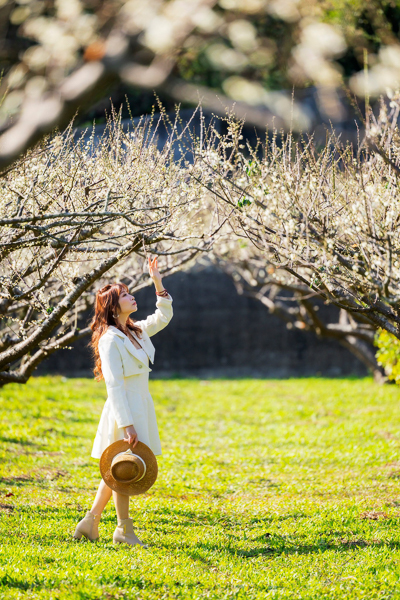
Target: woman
(122, 349)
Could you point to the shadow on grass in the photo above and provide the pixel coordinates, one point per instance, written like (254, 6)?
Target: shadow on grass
(18, 480)
(39, 479)
(204, 552)
(11, 440)
(189, 517)
(136, 582)
(6, 581)
(339, 548)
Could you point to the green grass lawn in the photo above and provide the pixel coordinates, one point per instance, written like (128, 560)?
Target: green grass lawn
(266, 489)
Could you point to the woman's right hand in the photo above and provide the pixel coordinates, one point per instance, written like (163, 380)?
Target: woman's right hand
(131, 435)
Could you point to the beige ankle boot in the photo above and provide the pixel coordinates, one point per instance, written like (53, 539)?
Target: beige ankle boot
(125, 534)
(88, 527)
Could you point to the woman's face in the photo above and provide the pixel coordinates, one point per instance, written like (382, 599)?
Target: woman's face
(127, 303)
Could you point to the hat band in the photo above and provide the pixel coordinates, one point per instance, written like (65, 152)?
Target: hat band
(129, 451)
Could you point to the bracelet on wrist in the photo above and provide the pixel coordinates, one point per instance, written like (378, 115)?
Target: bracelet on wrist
(164, 293)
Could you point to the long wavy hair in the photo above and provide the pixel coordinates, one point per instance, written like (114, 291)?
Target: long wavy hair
(105, 314)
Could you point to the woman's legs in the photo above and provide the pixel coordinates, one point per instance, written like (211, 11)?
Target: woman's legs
(102, 497)
(121, 505)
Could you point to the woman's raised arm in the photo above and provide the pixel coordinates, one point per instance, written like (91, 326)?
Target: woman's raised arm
(158, 320)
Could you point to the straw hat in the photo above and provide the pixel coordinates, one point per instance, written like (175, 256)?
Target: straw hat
(126, 470)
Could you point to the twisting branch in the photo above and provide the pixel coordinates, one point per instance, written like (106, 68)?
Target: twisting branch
(328, 217)
(293, 304)
(58, 243)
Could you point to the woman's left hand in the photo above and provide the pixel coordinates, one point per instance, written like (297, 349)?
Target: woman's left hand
(153, 270)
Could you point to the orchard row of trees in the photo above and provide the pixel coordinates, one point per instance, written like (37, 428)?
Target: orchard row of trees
(73, 212)
(318, 223)
(291, 223)
(283, 215)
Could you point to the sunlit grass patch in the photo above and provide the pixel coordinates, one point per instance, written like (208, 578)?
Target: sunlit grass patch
(267, 489)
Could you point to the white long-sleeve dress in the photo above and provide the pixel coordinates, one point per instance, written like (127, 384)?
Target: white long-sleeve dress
(126, 374)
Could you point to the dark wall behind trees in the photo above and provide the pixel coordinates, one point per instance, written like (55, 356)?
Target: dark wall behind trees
(215, 332)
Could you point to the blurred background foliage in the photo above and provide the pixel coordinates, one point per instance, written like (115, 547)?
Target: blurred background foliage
(243, 49)
(288, 45)
(294, 49)
(388, 354)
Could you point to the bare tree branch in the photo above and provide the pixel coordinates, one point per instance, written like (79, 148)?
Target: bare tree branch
(54, 251)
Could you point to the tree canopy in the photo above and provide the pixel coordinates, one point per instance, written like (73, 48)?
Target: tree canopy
(60, 57)
(77, 211)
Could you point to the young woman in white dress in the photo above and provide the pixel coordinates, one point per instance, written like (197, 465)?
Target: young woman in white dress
(128, 413)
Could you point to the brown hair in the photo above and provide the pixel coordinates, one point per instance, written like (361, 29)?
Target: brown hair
(106, 305)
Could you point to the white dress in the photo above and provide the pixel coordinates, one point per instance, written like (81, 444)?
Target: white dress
(145, 421)
(139, 402)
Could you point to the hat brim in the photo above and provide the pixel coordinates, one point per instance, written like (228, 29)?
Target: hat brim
(132, 488)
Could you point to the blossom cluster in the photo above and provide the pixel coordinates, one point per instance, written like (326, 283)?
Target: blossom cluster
(81, 209)
(329, 216)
